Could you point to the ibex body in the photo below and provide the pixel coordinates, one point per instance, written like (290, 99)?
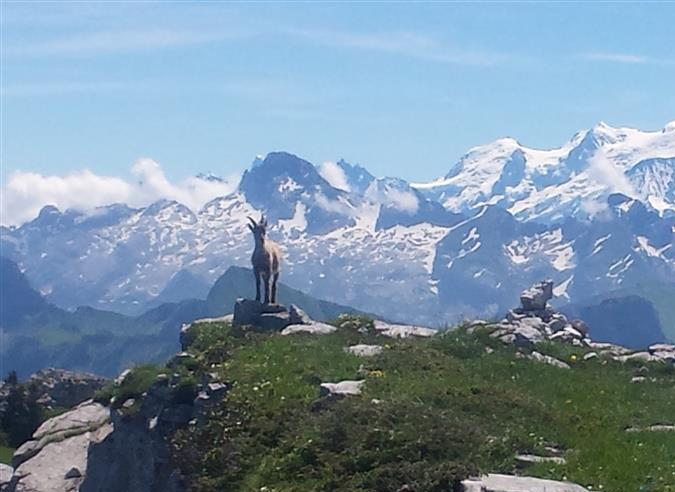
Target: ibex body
(266, 260)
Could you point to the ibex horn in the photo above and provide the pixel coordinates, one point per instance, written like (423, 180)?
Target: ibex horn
(255, 224)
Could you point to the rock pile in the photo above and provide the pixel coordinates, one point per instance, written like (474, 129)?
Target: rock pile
(535, 321)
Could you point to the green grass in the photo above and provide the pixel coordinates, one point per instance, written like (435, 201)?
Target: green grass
(6, 454)
(132, 386)
(445, 408)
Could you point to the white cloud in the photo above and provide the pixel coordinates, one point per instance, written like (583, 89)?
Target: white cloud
(404, 201)
(335, 175)
(402, 43)
(616, 57)
(26, 192)
(116, 41)
(603, 171)
(626, 58)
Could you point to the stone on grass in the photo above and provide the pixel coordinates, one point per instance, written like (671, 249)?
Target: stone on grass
(510, 483)
(315, 328)
(363, 350)
(530, 459)
(547, 359)
(402, 331)
(343, 388)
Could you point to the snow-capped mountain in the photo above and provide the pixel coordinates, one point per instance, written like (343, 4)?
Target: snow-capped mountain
(572, 180)
(597, 215)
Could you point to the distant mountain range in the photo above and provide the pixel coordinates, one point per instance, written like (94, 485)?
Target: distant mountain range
(597, 215)
(37, 334)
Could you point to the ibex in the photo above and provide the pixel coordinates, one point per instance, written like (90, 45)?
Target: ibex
(265, 259)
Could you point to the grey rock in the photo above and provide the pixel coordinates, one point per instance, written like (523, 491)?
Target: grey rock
(510, 483)
(217, 390)
(580, 326)
(186, 337)
(315, 328)
(653, 428)
(536, 297)
(120, 379)
(273, 321)
(529, 459)
(402, 331)
(60, 445)
(246, 312)
(74, 472)
(637, 356)
(6, 472)
(298, 316)
(590, 356)
(343, 388)
(547, 359)
(363, 350)
(86, 417)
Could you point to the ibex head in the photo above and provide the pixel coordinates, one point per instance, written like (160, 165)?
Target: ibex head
(259, 229)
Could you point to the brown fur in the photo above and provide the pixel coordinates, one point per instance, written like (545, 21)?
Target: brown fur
(266, 261)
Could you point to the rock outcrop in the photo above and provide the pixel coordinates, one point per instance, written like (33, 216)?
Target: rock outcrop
(96, 448)
(56, 459)
(276, 317)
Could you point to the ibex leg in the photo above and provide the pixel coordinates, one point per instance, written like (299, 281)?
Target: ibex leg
(275, 278)
(257, 286)
(266, 279)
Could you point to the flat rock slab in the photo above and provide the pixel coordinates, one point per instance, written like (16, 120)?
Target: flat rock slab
(343, 388)
(363, 350)
(402, 331)
(510, 483)
(315, 328)
(86, 417)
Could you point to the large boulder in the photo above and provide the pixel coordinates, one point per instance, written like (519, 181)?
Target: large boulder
(266, 317)
(276, 318)
(55, 460)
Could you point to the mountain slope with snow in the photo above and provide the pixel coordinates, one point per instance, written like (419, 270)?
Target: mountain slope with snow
(572, 180)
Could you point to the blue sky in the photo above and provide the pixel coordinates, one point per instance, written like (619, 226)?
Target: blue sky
(404, 89)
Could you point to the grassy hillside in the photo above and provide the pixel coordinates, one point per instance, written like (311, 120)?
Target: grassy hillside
(433, 411)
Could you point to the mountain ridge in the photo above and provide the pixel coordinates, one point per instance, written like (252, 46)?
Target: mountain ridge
(378, 243)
